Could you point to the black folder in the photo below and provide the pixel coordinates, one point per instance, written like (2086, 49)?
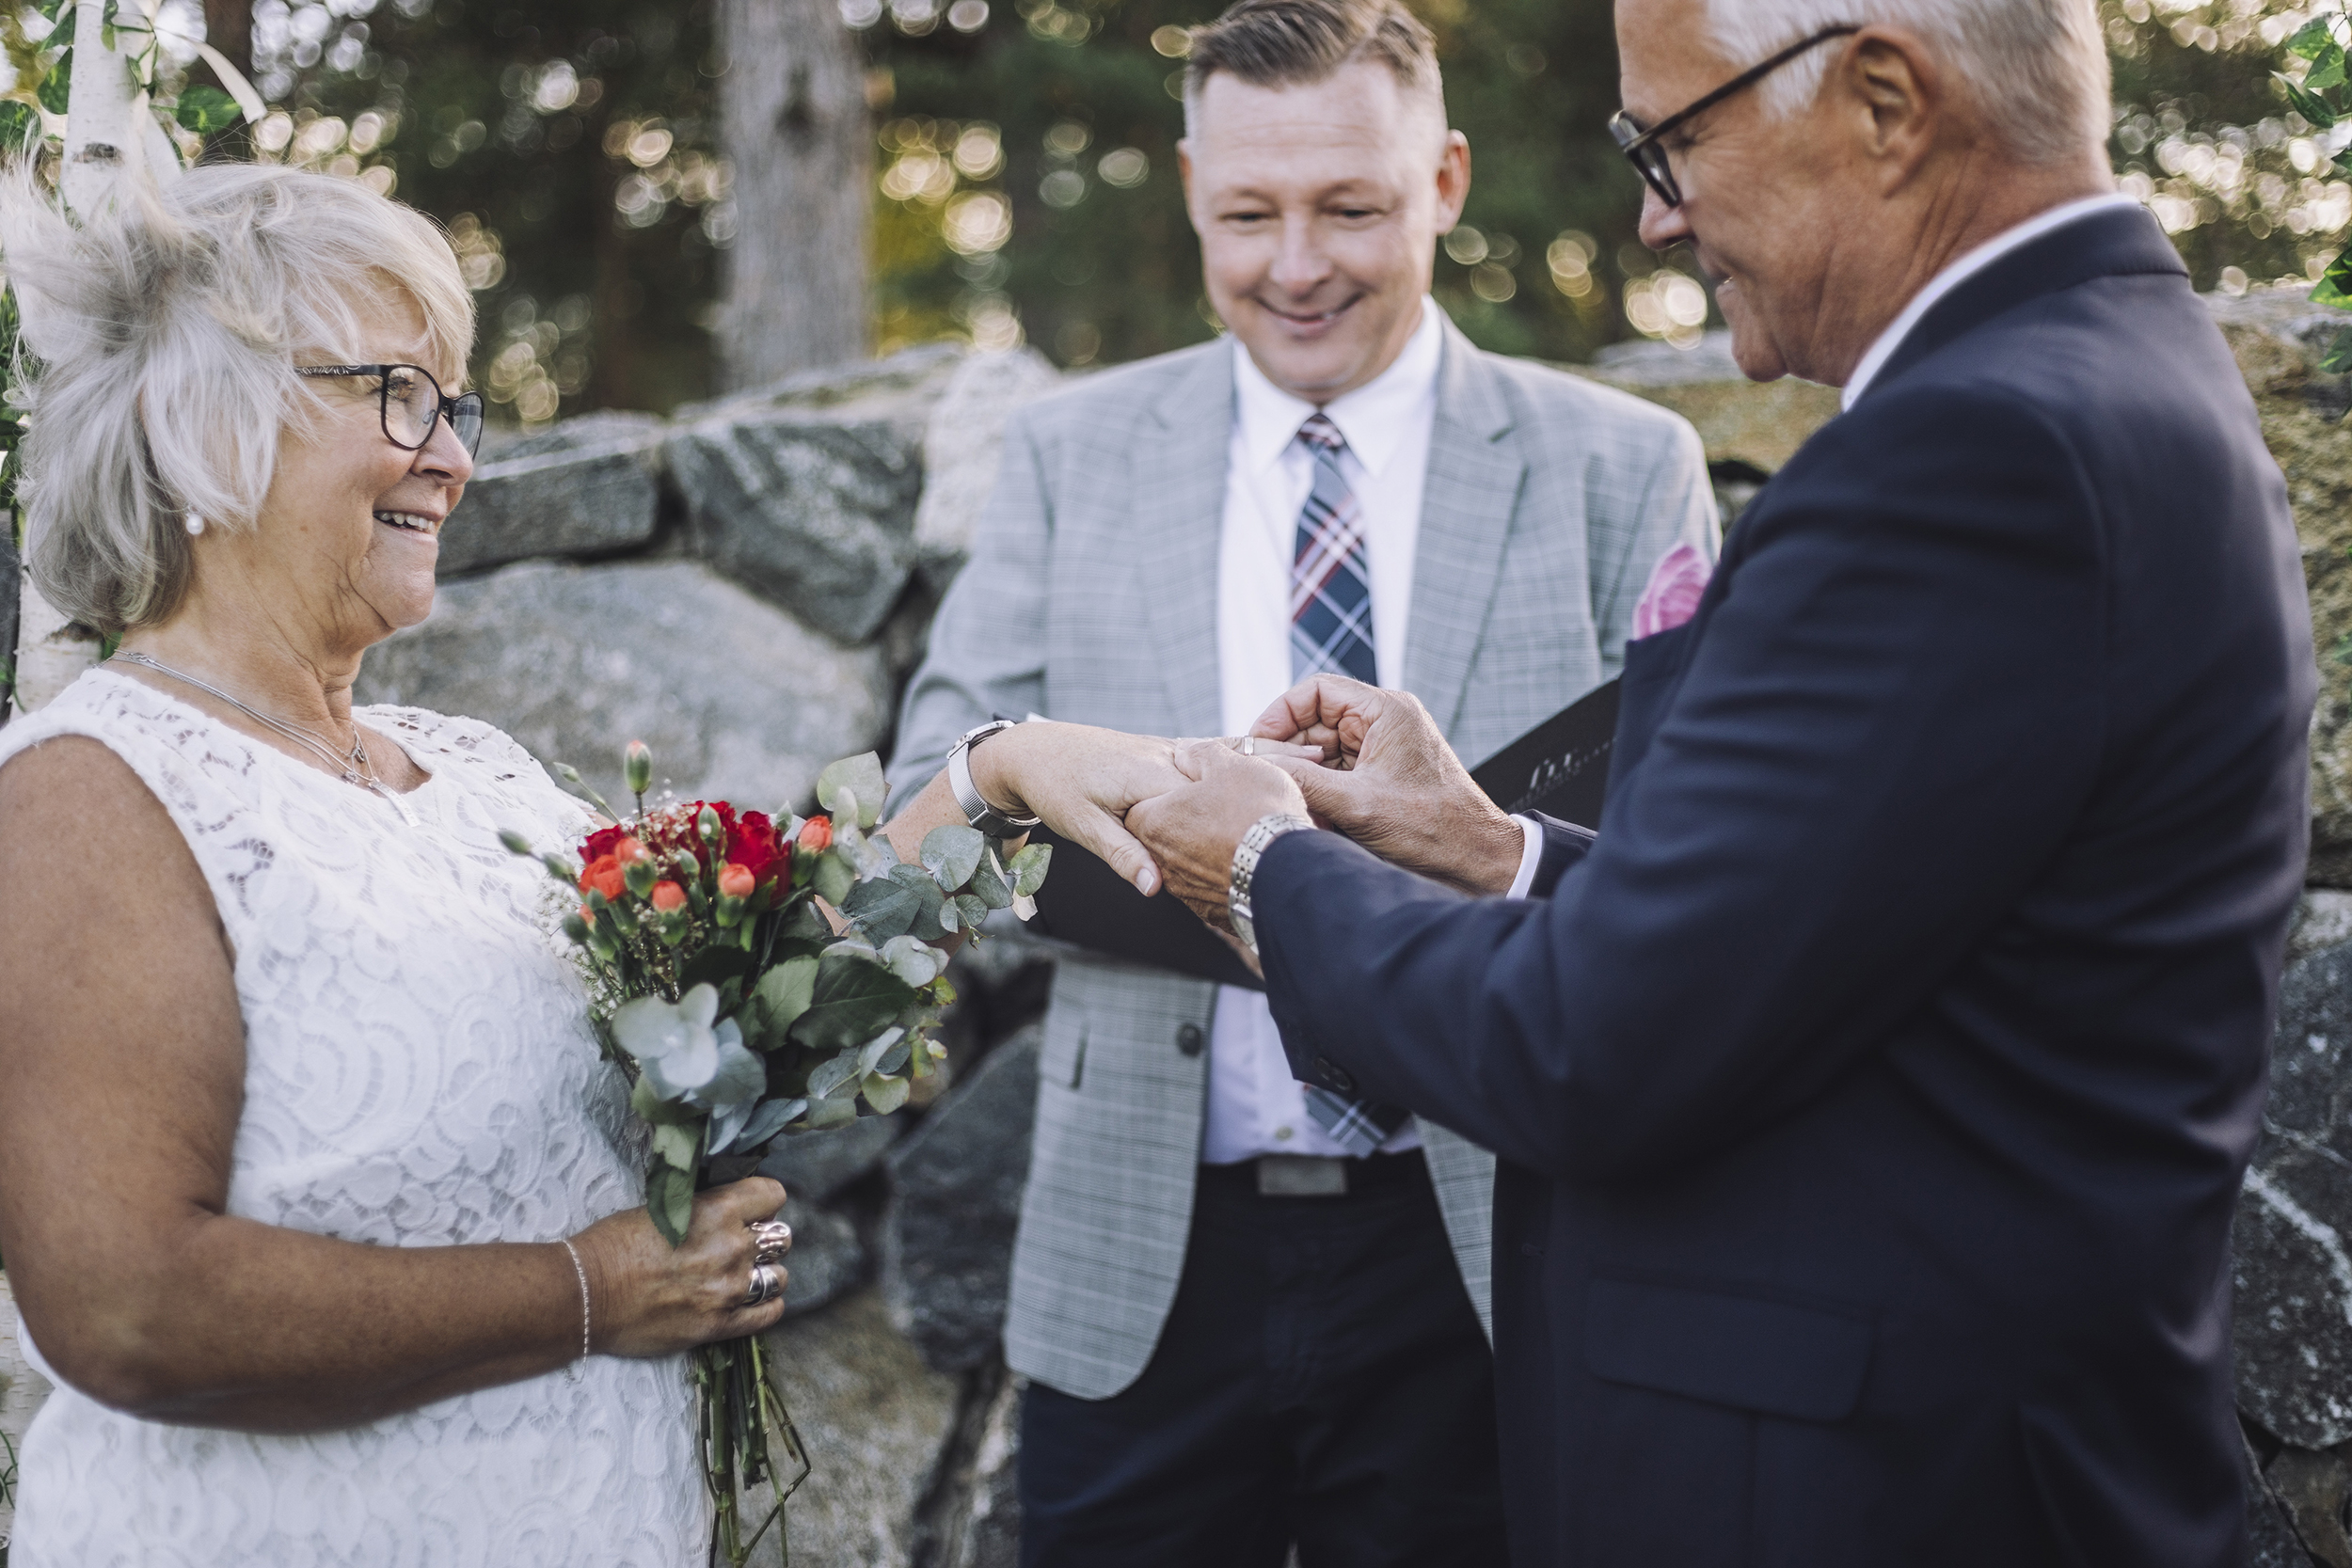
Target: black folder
(1560, 767)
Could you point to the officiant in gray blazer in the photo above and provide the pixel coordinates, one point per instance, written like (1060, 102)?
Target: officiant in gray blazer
(1250, 1317)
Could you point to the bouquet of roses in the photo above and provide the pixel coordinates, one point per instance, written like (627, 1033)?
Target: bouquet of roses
(757, 979)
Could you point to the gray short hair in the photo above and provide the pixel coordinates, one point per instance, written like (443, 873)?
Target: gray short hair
(1283, 43)
(2037, 67)
(161, 337)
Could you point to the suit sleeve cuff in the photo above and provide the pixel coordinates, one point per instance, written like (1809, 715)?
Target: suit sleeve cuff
(1531, 859)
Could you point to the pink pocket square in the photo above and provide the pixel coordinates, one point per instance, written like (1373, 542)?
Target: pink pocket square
(1672, 595)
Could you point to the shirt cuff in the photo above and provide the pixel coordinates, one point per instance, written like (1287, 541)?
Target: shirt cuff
(1531, 859)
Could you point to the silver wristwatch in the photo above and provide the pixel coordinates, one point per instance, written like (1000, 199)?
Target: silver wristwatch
(978, 812)
(1261, 832)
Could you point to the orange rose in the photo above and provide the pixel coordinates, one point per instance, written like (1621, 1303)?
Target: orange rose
(816, 834)
(604, 876)
(734, 881)
(629, 850)
(668, 896)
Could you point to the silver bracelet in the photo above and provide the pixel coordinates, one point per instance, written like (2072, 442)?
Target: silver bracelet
(572, 1372)
(1261, 832)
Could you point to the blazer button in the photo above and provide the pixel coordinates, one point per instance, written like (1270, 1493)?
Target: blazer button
(1334, 1075)
(1189, 1039)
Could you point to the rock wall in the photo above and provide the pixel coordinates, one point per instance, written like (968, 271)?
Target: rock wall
(747, 587)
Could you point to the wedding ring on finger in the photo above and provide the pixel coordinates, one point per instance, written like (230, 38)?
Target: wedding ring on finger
(767, 1284)
(771, 1240)
(1249, 746)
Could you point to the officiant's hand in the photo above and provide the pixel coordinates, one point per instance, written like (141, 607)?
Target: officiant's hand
(1193, 829)
(1391, 784)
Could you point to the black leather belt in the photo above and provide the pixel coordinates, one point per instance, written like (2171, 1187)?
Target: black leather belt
(1315, 1175)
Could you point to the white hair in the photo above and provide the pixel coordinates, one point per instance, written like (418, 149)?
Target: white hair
(2036, 69)
(160, 341)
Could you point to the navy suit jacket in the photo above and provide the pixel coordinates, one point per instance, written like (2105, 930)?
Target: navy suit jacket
(1873, 1095)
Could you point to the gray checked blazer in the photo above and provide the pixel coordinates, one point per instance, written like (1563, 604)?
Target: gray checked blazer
(1092, 597)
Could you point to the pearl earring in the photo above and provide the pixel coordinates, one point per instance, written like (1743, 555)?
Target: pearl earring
(196, 524)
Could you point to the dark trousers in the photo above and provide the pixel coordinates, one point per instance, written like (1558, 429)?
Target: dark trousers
(1322, 1381)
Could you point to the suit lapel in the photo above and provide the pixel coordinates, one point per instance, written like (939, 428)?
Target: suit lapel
(1179, 517)
(1466, 513)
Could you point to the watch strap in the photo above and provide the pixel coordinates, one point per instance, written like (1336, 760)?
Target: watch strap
(975, 809)
(1246, 854)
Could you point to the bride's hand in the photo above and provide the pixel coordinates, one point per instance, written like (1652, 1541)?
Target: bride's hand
(1081, 781)
(647, 1298)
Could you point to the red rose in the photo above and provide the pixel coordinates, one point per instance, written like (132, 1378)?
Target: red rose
(735, 881)
(751, 843)
(599, 845)
(816, 834)
(668, 896)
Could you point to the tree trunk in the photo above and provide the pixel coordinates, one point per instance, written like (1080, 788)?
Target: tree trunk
(794, 123)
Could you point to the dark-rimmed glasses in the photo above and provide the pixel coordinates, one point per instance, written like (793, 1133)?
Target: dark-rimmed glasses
(411, 402)
(1642, 148)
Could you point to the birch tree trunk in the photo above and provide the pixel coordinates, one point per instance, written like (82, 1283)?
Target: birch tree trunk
(794, 122)
(111, 136)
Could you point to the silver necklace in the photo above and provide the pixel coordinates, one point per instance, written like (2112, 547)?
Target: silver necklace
(353, 769)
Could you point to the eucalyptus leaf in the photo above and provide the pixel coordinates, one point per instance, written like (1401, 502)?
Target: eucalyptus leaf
(871, 1054)
(973, 911)
(882, 907)
(727, 1121)
(646, 1104)
(1028, 868)
(767, 1121)
(670, 1198)
(989, 885)
(835, 874)
(896, 1058)
(951, 852)
(860, 776)
(885, 1095)
(832, 1113)
(831, 1073)
(917, 963)
(677, 1146)
(741, 1078)
(950, 920)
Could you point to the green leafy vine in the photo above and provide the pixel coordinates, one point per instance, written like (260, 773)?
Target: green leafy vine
(2324, 97)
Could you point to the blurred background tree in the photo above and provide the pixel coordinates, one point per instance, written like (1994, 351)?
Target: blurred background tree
(1010, 165)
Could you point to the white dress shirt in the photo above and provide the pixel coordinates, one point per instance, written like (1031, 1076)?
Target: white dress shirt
(1255, 1107)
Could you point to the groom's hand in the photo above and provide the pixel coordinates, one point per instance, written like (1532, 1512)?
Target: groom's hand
(1392, 783)
(1193, 829)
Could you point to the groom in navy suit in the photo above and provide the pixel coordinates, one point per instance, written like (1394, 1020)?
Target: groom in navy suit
(1872, 1093)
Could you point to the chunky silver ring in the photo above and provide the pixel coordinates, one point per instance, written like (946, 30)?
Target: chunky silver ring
(1249, 745)
(767, 1284)
(771, 1240)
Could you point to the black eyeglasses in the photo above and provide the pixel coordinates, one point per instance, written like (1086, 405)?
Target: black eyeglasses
(1642, 148)
(412, 401)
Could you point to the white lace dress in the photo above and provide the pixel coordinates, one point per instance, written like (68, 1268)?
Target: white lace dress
(419, 1071)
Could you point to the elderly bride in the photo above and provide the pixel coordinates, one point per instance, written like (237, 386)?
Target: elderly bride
(314, 1193)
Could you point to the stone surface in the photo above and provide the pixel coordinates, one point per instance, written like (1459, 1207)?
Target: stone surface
(600, 494)
(827, 1260)
(1758, 427)
(2293, 1274)
(956, 1183)
(2270, 1523)
(962, 449)
(735, 698)
(2313, 1488)
(989, 1529)
(22, 1391)
(2279, 338)
(873, 1418)
(807, 492)
(815, 1166)
(2322, 920)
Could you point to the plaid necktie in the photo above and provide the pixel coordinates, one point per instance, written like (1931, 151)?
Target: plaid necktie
(1331, 629)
